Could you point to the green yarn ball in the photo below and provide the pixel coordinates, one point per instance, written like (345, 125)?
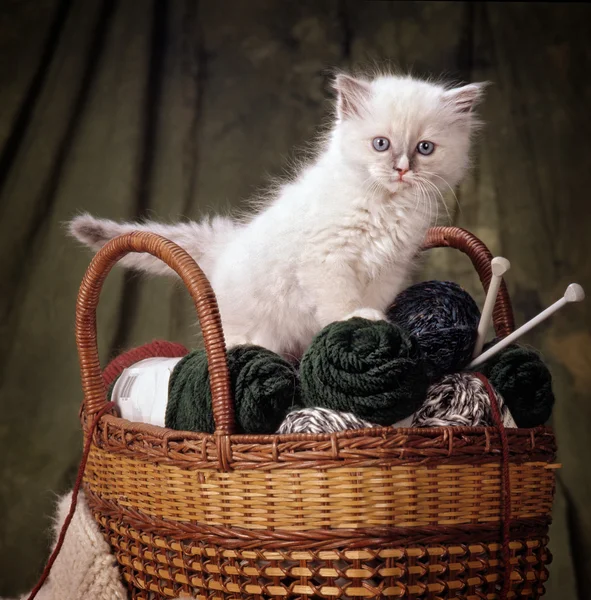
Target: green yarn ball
(525, 383)
(264, 388)
(189, 397)
(372, 369)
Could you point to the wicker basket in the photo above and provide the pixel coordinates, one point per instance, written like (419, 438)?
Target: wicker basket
(399, 513)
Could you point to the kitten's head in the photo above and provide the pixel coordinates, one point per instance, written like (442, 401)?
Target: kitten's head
(405, 133)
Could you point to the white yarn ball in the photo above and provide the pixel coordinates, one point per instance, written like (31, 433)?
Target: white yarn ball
(321, 420)
(460, 400)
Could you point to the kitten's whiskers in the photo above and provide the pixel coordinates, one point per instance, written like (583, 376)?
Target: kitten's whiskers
(425, 199)
(438, 196)
(447, 184)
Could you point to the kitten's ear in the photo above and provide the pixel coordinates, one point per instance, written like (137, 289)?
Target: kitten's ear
(465, 98)
(352, 95)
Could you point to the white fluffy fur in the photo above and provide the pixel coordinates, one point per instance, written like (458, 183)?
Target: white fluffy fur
(337, 240)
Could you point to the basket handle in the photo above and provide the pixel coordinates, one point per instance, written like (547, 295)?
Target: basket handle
(480, 255)
(95, 394)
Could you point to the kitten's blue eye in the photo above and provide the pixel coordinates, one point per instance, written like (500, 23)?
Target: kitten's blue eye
(425, 148)
(381, 144)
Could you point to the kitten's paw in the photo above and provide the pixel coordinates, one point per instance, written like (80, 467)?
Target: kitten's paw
(371, 314)
(93, 232)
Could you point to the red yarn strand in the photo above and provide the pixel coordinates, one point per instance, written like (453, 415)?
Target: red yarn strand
(153, 349)
(75, 491)
(505, 482)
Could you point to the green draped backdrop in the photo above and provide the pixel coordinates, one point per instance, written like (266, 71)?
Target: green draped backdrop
(133, 108)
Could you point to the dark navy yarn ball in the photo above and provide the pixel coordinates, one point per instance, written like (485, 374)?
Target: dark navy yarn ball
(444, 319)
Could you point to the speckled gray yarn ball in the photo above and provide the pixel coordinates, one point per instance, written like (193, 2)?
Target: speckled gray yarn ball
(321, 420)
(459, 400)
(444, 319)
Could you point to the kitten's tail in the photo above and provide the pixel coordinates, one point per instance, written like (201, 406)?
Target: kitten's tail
(203, 241)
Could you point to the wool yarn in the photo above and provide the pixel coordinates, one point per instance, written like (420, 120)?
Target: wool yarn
(444, 318)
(140, 393)
(321, 420)
(525, 382)
(372, 369)
(156, 348)
(460, 400)
(264, 388)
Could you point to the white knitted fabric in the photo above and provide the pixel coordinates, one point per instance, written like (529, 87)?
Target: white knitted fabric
(85, 568)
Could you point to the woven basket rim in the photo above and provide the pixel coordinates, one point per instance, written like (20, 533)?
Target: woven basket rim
(378, 432)
(372, 446)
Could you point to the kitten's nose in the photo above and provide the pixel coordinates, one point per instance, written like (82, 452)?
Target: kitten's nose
(402, 166)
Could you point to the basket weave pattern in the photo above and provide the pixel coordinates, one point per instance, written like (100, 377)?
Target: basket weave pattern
(305, 499)
(401, 513)
(437, 570)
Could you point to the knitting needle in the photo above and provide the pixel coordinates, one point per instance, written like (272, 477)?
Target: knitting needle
(499, 267)
(574, 293)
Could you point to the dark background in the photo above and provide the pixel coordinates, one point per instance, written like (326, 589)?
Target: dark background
(177, 108)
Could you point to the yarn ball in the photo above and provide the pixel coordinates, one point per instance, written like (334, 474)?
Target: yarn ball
(264, 387)
(156, 348)
(372, 369)
(520, 375)
(459, 400)
(321, 420)
(444, 318)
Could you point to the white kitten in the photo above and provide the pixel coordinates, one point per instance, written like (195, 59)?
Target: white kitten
(339, 239)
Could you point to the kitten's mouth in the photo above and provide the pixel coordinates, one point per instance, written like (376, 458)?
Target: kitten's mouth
(395, 185)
